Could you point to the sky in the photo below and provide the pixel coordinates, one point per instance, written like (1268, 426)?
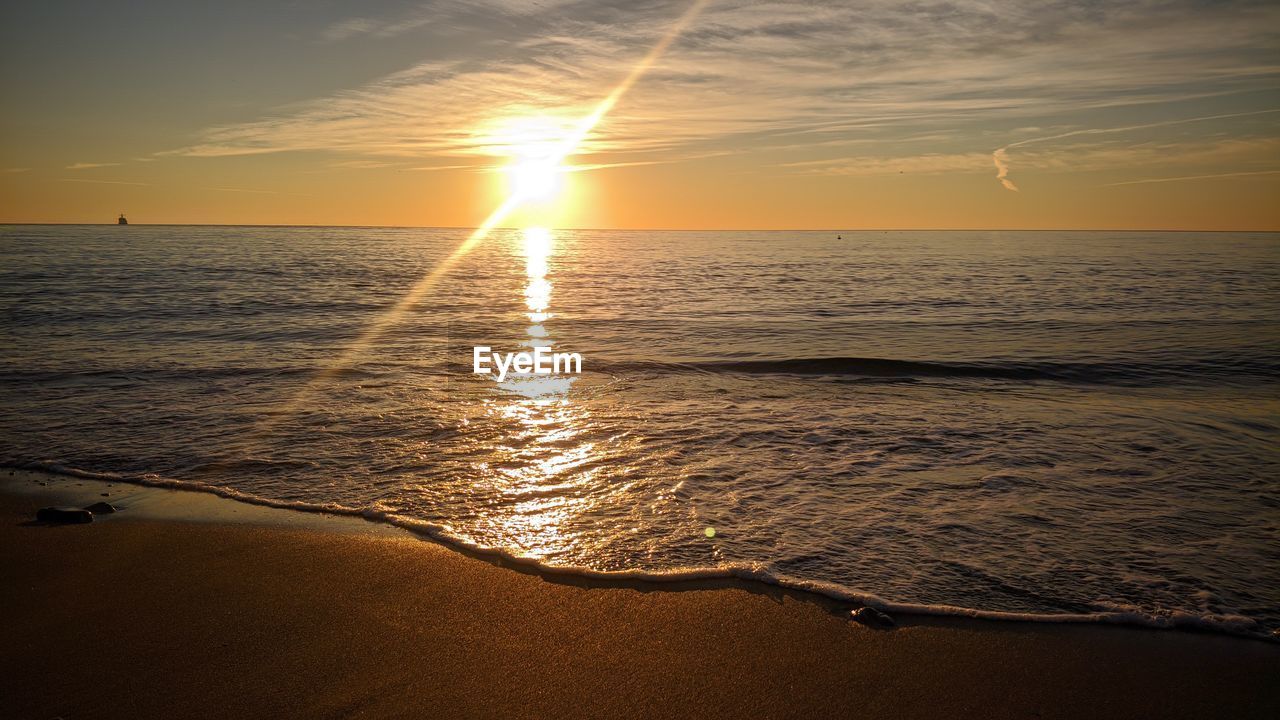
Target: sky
(772, 115)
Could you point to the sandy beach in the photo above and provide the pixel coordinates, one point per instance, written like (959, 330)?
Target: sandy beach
(184, 604)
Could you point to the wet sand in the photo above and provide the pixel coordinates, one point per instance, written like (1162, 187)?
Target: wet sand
(185, 605)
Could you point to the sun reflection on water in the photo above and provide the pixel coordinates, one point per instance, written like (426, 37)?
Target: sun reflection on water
(538, 246)
(548, 467)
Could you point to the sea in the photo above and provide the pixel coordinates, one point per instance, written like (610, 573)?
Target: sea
(1063, 426)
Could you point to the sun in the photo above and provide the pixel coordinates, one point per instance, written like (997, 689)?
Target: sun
(535, 148)
(535, 179)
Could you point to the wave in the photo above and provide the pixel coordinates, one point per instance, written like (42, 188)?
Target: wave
(745, 572)
(849, 368)
(178, 373)
(892, 369)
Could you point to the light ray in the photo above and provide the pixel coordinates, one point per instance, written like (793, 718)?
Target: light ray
(563, 150)
(590, 121)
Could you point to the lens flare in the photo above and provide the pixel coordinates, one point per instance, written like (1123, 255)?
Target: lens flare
(549, 158)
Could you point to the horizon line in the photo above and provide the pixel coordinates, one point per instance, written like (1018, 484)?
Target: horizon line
(646, 229)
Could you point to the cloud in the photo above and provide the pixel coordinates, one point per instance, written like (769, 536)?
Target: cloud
(1084, 155)
(360, 164)
(257, 192)
(354, 27)
(1194, 177)
(103, 182)
(430, 168)
(1001, 155)
(926, 164)
(754, 75)
(86, 166)
(16, 170)
(1090, 154)
(429, 13)
(1001, 159)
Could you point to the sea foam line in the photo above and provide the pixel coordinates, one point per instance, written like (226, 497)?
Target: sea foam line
(748, 572)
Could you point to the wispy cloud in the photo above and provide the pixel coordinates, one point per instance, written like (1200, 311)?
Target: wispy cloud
(255, 191)
(808, 75)
(925, 164)
(353, 27)
(1001, 159)
(432, 168)
(1001, 155)
(87, 166)
(16, 170)
(1083, 155)
(103, 182)
(429, 13)
(360, 164)
(1194, 177)
(1091, 154)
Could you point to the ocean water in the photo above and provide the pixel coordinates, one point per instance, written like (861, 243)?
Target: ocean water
(1057, 425)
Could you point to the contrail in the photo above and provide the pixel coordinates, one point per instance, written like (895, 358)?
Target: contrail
(1000, 156)
(380, 324)
(1193, 177)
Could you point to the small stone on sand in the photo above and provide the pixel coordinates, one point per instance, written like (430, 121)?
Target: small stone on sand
(64, 515)
(871, 618)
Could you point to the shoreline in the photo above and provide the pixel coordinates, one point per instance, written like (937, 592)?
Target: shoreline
(164, 499)
(188, 600)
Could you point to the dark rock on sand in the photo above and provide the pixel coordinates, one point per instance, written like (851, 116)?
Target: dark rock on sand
(64, 515)
(101, 508)
(871, 618)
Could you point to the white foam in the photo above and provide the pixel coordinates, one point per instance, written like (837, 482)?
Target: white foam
(750, 572)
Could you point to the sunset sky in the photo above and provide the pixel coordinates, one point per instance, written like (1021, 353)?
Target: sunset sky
(877, 114)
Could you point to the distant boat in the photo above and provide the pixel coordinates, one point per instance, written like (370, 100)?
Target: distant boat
(123, 220)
